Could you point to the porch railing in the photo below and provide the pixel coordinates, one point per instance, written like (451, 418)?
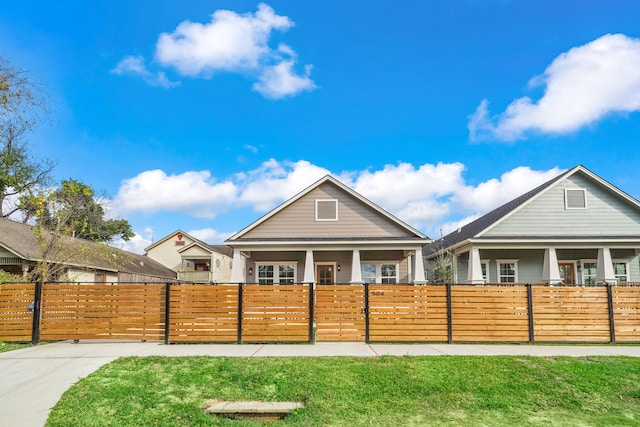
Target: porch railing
(195, 276)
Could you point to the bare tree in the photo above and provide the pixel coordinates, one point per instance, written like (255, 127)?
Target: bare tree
(23, 105)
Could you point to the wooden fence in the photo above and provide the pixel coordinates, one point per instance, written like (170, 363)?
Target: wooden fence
(301, 313)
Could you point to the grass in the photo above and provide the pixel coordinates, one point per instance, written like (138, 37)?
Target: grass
(385, 391)
(6, 346)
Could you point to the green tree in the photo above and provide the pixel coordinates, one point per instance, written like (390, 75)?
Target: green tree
(22, 107)
(74, 210)
(71, 229)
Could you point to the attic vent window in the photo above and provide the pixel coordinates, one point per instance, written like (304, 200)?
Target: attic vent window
(326, 210)
(575, 198)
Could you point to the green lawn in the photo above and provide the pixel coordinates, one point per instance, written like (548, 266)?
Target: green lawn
(385, 391)
(6, 346)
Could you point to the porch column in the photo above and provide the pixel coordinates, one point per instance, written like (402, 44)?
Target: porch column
(550, 269)
(309, 267)
(356, 270)
(418, 274)
(474, 269)
(237, 270)
(604, 272)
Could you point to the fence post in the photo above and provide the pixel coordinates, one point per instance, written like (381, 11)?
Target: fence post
(37, 310)
(167, 311)
(612, 323)
(532, 337)
(449, 323)
(312, 336)
(239, 340)
(366, 313)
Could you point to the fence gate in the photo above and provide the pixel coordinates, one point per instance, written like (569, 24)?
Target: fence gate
(340, 313)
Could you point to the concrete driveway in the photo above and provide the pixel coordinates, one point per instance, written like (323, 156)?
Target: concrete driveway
(33, 379)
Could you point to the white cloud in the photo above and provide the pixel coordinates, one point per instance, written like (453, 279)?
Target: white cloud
(582, 86)
(274, 182)
(495, 192)
(230, 42)
(137, 243)
(210, 235)
(429, 197)
(194, 192)
(280, 80)
(134, 66)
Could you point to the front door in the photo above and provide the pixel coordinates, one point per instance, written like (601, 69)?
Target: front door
(567, 273)
(324, 274)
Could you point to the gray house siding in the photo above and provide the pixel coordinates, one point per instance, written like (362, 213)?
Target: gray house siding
(606, 214)
(354, 219)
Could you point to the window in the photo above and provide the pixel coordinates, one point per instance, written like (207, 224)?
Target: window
(575, 198)
(276, 273)
(265, 274)
(507, 271)
(388, 273)
(484, 265)
(620, 271)
(368, 273)
(379, 273)
(326, 210)
(589, 270)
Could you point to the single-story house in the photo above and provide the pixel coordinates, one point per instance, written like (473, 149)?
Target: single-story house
(192, 259)
(326, 234)
(576, 228)
(80, 260)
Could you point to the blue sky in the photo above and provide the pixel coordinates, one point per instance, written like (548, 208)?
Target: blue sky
(204, 115)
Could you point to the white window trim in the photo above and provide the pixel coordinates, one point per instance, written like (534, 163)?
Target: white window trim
(566, 205)
(507, 261)
(326, 200)
(379, 270)
(626, 267)
(486, 263)
(595, 261)
(276, 270)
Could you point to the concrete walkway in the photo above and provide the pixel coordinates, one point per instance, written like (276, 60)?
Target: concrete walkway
(33, 379)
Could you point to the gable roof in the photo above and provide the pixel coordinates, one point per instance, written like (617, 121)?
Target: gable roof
(19, 239)
(221, 249)
(343, 187)
(496, 216)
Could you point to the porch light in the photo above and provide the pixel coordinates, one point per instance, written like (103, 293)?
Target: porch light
(338, 267)
(579, 265)
(250, 271)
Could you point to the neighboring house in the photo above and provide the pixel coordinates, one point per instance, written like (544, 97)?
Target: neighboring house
(193, 260)
(574, 229)
(328, 234)
(81, 260)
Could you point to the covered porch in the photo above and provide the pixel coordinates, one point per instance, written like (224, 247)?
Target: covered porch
(329, 264)
(577, 263)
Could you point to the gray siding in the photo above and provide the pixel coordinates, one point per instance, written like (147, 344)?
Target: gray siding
(606, 214)
(355, 219)
(529, 264)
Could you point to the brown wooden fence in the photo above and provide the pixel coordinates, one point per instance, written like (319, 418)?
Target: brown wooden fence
(16, 313)
(97, 311)
(295, 313)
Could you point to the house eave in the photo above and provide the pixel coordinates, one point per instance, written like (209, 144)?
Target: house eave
(327, 244)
